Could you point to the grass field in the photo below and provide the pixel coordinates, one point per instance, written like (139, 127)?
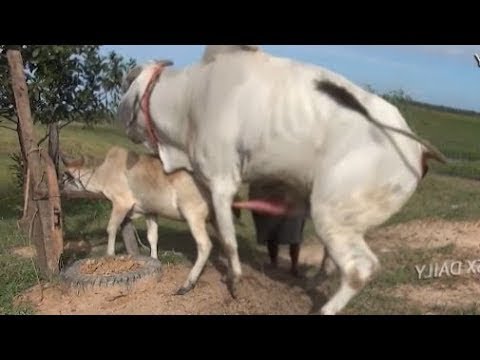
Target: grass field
(456, 135)
(449, 192)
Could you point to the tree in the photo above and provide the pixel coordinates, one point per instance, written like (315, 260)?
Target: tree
(60, 84)
(397, 97)
(43, 225)
(66, 84)
(115, 67)
(370, 88)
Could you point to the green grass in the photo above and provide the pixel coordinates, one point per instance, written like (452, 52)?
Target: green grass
(16, 274)
(452, 197)
(442, 197)
(456, 135)
(398, 268)
(76, 139)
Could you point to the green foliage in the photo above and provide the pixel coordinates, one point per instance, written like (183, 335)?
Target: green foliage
(66, 83)
(114, 69)
(17, 168)
(397, 97)
(456, 134)
(370, 88)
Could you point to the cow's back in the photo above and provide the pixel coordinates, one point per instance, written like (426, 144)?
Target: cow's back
(150, 186)
(111, 176)
(271, 108)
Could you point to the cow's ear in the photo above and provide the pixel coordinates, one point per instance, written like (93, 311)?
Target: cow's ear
(64, 158)
(68, 162)
(165, 62)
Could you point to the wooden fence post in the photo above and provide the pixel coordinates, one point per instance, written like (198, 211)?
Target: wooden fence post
(44, 223)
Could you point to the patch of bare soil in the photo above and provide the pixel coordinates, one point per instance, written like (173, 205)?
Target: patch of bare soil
(109, 266)
(259, 294)
(447, 291)
(27, 252)
(77, 247)
(462, 294)
(311, 255)
(430, 234)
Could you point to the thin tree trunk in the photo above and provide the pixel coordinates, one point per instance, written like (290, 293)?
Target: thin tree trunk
(44, 226)
(54, 146)
(26, 183)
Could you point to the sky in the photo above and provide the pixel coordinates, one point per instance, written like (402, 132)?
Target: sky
(445, 75)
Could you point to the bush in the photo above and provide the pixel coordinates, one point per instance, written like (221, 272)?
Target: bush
(17, 169)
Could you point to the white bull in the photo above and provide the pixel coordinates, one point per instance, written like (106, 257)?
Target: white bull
(248, 116)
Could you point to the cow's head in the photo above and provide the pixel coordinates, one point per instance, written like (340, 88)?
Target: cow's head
(73, 174)
(135, 72)
(153, 111)
(133, 87)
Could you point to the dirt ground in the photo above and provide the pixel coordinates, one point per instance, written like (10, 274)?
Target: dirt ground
(431, 234)
(156, 296)
(449, 290)
(264, 290)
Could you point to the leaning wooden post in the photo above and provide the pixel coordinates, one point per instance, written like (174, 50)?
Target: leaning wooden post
(45, 221)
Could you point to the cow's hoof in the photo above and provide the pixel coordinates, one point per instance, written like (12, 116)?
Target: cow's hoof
(232, 285)
(183, 290)
(328, 310)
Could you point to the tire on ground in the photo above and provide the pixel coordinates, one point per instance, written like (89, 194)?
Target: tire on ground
(74, 277)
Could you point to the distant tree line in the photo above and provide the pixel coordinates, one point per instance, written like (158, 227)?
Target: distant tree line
(401, 97)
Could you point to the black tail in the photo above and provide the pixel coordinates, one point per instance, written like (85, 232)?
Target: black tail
(346, 99)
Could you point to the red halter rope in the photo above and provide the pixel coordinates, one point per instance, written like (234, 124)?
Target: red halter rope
(145, 105)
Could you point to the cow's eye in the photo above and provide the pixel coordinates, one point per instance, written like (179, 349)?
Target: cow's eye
(67, 177)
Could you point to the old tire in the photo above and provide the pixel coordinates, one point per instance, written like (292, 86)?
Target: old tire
(74, 277)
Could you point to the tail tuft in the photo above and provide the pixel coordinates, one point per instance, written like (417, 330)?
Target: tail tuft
(431, 152)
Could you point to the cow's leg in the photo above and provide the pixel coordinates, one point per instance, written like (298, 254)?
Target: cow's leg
(346, 246)
(328, 265)
(356, 262)
(222, 196)
(320, 275)
(116, 218)
(152, 235)
(198, 227)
